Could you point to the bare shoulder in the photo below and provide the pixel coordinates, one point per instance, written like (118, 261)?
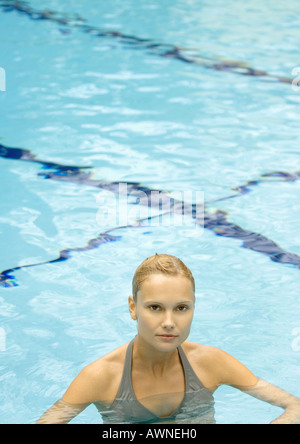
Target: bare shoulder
(215, 367)
(107, 364)
(98, 381)
(203, 356)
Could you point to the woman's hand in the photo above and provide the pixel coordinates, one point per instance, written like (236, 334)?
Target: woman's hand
(290, 416)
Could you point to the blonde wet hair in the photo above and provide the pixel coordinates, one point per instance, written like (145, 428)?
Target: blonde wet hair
(160, 264)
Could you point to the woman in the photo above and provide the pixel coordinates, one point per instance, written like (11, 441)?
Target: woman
(160, 377)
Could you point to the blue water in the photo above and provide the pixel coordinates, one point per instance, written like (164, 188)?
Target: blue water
(132, 115)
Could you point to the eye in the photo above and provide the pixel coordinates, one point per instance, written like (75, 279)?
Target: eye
(182, 308)
(154, 307)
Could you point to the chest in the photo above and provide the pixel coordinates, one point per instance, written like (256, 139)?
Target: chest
(162, 394)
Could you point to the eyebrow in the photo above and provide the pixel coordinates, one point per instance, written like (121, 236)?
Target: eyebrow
(161, 303)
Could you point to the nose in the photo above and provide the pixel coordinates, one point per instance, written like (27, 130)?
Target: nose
(168, 321)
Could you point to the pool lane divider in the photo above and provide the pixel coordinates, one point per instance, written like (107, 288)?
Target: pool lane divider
(216, 222)
(179, 53)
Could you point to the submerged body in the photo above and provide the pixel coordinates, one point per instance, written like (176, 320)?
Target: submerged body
(122, 391)
(195, 402)
(160, 377)
(157, 405)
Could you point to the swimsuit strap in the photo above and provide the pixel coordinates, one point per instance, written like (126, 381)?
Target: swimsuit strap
(192, 382)
(126, 390)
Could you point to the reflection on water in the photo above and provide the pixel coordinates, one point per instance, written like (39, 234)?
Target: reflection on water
(61, 413)
(188, 412)
(195, 407)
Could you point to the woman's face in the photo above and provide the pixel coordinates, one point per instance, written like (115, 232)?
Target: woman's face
(164, 310)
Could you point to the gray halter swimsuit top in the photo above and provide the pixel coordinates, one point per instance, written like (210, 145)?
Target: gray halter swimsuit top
(127, 409)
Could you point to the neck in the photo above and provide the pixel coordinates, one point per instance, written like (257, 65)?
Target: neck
(148, 357)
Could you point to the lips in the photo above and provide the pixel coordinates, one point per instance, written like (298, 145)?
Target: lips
(167, 337)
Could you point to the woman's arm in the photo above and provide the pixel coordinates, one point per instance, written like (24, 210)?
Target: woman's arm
(82, 391)
(272, 394)
(61, 413)
(230, 371)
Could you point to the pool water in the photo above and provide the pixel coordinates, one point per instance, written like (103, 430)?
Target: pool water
(118, 104)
